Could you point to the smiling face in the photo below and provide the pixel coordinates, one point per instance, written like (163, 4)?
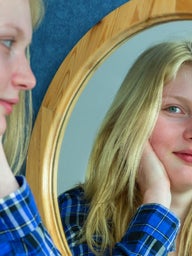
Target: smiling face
(172, 136)
(15, 72)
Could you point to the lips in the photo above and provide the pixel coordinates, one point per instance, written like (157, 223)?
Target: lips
(185, 156)
(8, 105)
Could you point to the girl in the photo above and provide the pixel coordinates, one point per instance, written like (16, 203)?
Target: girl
(138, 187)
(21, 229)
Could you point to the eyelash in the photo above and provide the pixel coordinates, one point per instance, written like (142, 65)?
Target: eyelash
(175, 110)
(170, 109)
(7, 42)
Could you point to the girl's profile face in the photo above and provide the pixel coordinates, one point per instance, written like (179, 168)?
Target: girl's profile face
(15, 72)
(172, 135)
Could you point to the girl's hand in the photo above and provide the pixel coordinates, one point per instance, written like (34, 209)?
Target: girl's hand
(153, 180)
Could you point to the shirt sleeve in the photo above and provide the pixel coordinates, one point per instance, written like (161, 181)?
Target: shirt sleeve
(21, 229)
(151, 232)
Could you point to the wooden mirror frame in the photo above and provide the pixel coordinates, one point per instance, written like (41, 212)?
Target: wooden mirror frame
(67, 85)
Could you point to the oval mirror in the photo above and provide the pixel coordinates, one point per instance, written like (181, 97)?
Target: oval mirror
(68, 84)
(97, 96)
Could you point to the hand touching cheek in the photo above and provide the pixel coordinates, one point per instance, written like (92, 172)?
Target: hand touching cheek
(153, 180)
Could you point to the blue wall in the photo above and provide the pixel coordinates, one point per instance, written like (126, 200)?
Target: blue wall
(64, 24)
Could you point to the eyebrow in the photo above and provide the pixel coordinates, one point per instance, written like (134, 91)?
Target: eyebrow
(177, 97)
(19, 30)
(12, 25)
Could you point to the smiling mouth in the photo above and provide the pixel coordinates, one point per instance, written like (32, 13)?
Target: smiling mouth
(186, 157)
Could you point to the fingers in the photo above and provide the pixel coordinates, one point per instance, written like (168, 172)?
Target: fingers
(153, 179)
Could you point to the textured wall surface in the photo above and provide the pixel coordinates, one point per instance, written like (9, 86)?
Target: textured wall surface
(65, 22)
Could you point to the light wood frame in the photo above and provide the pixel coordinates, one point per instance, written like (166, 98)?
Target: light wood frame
(66, 87)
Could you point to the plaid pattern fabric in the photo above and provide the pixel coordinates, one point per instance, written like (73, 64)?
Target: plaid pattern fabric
(152, 231)
(21, 228)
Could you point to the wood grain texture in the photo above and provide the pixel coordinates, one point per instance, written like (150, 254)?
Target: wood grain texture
(66, 87)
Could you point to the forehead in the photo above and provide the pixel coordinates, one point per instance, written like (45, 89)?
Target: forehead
(183, 77)
(16, 13)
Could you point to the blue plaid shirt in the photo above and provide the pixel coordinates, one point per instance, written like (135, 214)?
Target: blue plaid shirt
(152, 231)
(21, 228)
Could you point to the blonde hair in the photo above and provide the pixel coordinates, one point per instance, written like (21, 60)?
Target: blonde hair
(17, 135)
(110, 185)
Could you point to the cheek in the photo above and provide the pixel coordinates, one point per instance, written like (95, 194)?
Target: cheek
(5, 75)
(162, 138)
(157, 141)
(4, 67)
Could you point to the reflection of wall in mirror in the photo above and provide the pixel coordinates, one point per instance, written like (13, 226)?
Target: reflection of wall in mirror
(97, 96)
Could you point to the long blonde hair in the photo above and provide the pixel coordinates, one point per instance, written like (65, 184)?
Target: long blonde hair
(17, 135)
(110, 185)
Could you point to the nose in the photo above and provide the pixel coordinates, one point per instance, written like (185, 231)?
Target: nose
(23, 77)
(188, 129)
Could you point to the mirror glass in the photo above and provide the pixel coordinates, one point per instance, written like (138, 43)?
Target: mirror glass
(98, 95)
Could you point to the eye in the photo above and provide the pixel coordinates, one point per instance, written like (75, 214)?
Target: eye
(7, 42)
(174, 109)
